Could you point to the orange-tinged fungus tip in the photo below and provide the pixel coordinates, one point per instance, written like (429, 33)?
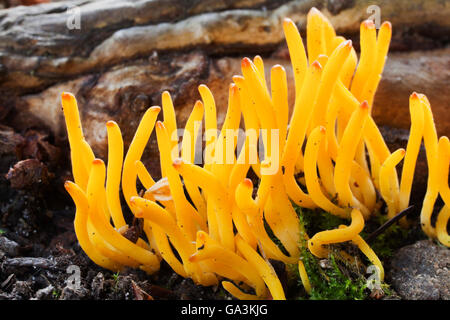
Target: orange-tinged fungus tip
(198, 104)
(111, 123)
(246, 62)
(386, 25)
(97, 161)
(414, 95)
(368, 24)
(166, 93)
(364, 105)
(247, 183)
(322, 129)
(66, 96)
(278, 67)
(193, 257)
(177, 163)
(155, 109)
(316, 64)
(201, 235)
(233, 88)
(159, 125)
(348, 44)
(67, 185)
(402, 151)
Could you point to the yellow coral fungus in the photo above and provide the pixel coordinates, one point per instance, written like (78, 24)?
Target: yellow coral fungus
(207, 221)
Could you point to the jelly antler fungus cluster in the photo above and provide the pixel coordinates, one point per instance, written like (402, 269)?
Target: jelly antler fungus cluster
(205, 222)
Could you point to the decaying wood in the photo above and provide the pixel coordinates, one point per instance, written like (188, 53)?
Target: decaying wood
(126, 53)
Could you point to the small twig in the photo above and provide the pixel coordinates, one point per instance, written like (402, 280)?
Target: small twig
(388, 223)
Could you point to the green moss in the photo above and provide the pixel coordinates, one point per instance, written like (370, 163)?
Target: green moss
(318, 220)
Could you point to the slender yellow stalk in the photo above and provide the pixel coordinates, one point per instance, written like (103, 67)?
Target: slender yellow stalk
(217, 194)
(368, 41)
(187, 216)
(430, 139)
(444, 190)
(346, 154)
(278, 83)
(312, 180)
(382, 47)
(315, 34)
(75, 136)
(81, 230)
(369, 253)
(297, 53)
(315, 244)
(386, 187)
(250, 207)
(297, 130)
(210, 123)
(236, 292)
(304, 276)
(135, 151)
(188, 151)
(328, 81)
(412, 149)
(115, 159)
(263, 268)
(170, 121)
(130, 251)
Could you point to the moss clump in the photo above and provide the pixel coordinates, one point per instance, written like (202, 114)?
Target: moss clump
(318, 220)
(331, 283)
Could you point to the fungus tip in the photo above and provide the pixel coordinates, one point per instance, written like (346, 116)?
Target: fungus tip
(67, 185)
(386, 25)
(316, 64)
(247, 183)
(198, 104)
(97, 161)
(233, 88)
(402, 151)
(155, 109)
(246, 63)
(193, 257)
(287, 21)
(322, 129)
(414, 95)
(110, 123)
(348, 44)
(278, 67)
(314, 11)
(364, 105)
(368, 24)
(177, 163)
(159, 125)
(66, 96)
